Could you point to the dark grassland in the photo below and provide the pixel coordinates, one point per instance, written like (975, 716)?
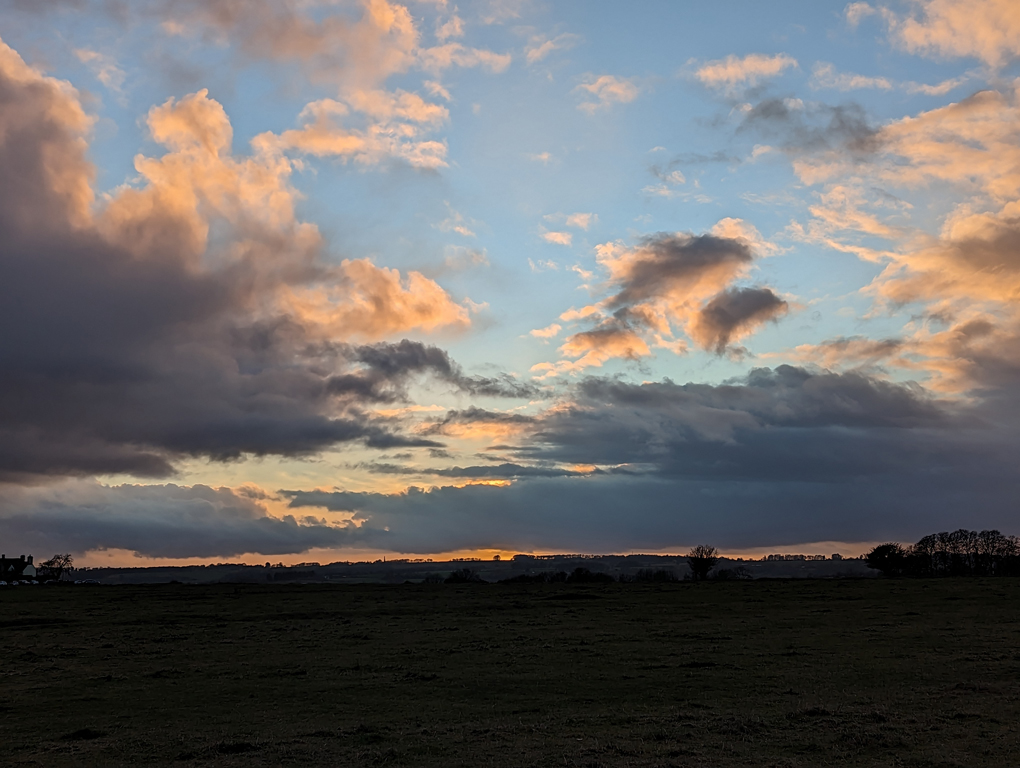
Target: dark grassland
(785, 673)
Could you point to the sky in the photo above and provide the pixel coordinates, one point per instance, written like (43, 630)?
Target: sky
(299, 280)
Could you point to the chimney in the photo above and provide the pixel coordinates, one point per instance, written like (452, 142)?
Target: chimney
(29, 559)
(22, 558)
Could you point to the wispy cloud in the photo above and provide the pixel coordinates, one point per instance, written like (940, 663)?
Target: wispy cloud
(734, 72)
(539, 46)
(559, 238)
(606, 91)
(103, 66)
(824, 75)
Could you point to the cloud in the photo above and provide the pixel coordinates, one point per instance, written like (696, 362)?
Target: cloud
(606, 90)
(492, 471)
(452, 27)
(610, 339)
(500, 11)
(137, 337)
(558, 238)
(103, 66)
(542, 266)
(939, 89)
(816, 129)
(779, 455)
(824, 75)
(670, 281)
(971, 142)
(988, 30)
(395, 128)
(733, 73)
(539, 46)
(672, 265)
(856, 12)
(734, 313)
(582, 220)
(455, 54)
(160, 521)
(383, 371)
(670, 177)
(546, 333)
(474, 423)
(363, 121)
(454, 223)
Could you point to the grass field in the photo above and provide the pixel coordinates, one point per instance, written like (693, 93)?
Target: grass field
(784, 673)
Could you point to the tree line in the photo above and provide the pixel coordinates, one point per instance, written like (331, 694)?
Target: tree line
(950, 553)
(701, 560)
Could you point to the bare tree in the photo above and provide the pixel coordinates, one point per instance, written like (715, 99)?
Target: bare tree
(701, 560)
(54, 567)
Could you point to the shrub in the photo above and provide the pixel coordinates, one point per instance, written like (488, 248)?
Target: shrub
(464, 576)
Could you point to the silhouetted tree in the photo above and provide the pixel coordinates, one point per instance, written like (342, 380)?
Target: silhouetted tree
(889, 558)
(701, 560)
(54, 567)
(464, 576)
(964, 553)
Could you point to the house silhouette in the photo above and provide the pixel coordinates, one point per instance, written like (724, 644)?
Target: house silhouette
(15, 570)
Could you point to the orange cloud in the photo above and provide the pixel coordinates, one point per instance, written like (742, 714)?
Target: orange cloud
(539, 47)
(595, 347)
(200, 179)
(364, 122)
(392, 131)
(559, 238)
(988, 30)
(607, 90)
(546, 333)
(56, 108)
(371, 302)
(671, 282)
(734, 72)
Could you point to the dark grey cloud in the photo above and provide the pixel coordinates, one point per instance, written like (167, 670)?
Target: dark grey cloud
(813, 127)
(670, 260)
(777, 457)
(619, 514)
(732, 311)
(161, 521)
(780, 456)
(387, 368)
(495, 471)
(785, 423)
(476, 416)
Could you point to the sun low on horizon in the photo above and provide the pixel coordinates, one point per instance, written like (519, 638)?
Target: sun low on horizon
(301, 280)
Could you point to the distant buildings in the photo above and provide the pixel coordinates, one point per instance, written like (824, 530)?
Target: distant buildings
(16, 570)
